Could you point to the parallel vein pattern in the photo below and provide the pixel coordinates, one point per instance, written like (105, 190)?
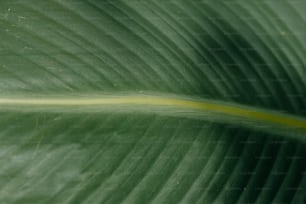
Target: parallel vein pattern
(225, 122)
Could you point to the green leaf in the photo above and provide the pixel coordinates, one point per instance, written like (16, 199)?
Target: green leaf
(152, 101)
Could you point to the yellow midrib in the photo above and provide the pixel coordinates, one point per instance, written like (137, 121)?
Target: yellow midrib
(232, 110)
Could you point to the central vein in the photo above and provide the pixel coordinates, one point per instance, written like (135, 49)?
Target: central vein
(242, 112)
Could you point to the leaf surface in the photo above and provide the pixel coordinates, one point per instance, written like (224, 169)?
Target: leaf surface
(152, 101)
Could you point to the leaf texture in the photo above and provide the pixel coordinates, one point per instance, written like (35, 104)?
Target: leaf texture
(151, 101)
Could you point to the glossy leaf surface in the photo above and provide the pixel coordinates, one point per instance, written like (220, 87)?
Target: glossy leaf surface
(128, 101)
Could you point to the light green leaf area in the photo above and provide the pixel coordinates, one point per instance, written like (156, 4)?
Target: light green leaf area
(152, 101)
